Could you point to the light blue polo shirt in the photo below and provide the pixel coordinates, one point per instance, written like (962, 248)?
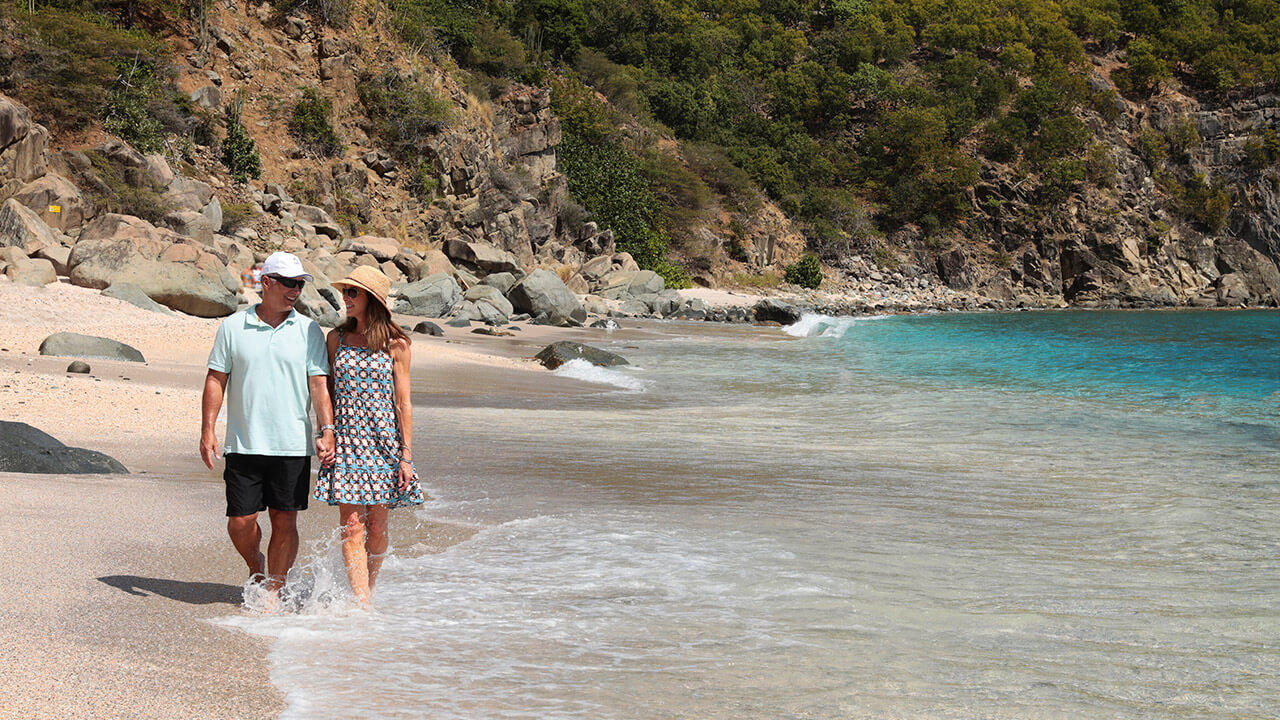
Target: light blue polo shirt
(267, 392)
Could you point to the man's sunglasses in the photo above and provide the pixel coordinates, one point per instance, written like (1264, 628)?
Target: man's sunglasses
(290, 283)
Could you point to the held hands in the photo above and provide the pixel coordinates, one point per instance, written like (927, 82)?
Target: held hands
(326, 448)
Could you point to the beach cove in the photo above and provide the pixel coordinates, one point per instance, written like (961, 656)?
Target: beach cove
(1030, 515)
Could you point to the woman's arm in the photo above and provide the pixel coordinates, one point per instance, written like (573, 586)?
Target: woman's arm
(404, 407)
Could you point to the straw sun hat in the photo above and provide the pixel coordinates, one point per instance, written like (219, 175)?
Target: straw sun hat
(371, 280)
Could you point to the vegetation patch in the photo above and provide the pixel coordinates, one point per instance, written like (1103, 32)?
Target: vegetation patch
(405, 114)
(311, 124)
(806, 272)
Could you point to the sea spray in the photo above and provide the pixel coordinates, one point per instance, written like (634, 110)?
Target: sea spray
(581, 369)
(815, 325)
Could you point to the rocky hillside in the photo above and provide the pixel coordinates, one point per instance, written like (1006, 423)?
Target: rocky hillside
(458, 195)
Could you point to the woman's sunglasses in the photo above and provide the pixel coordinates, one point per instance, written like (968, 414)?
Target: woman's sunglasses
(290, 283)
(351, 292)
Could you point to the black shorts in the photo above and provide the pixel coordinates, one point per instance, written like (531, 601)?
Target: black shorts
(257, 482)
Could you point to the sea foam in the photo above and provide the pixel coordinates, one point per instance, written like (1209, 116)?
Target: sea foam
(580, 369)
(815, 325)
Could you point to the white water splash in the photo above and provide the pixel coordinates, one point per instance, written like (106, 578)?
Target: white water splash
(815, 325)
(580, 369)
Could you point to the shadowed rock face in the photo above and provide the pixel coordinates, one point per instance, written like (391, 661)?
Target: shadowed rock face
(26, 449)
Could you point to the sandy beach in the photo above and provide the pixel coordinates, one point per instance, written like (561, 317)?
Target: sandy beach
(113, 578)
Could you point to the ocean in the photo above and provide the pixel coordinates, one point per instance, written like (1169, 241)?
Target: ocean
(1003, 515)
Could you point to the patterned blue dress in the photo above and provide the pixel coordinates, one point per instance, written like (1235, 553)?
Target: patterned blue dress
(367, 438)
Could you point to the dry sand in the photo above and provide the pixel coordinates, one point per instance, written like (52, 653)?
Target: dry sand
(111, 579)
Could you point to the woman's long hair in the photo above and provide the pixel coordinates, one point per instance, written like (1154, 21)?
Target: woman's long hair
(379, 330)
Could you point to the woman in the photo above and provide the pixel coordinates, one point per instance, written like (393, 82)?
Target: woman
(372, 470)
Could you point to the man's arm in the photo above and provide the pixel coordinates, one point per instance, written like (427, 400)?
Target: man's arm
(215, 386)
(319, 385)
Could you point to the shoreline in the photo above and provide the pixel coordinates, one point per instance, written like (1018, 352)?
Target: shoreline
(118, 576)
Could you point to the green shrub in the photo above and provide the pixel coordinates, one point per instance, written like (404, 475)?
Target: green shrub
(239, 151)
(311, 127)
(117, 188)
(1182, 137)
(1262, 148)
(1152, 147)
(806, 272)
(1208, 203)
(237, 215)
(334, 13)
(1100, 166)
(1059, 179)
(69, 63)
(1145, 71)
(405, 114)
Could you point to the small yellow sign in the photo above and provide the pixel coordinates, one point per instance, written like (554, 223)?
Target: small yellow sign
(55, 208)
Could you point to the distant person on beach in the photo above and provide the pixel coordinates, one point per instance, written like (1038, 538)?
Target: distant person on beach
(268, 360)
(373, 468)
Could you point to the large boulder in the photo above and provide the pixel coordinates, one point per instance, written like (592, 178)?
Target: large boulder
(432, 296)
(59, 203)
(482, 255)
(22, 228)
(620, 283)
(26, 449)
(542, 293)
(773, 310)
(559, 353)
(190, 224)
(31, 271)
(23, 147)
(65, 344)
(382, 248)
(172, 270)
(487, 295)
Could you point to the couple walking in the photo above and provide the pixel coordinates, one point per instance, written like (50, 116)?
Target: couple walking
(268, 361)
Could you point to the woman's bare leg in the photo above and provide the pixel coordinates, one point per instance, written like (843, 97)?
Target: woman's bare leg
(353, 550)
(375, 542)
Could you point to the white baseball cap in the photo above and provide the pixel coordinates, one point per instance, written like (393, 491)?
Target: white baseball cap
(285, 265)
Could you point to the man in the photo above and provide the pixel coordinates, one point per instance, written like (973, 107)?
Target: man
(268, 359)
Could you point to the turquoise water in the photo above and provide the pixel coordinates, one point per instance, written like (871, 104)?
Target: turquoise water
(1031, 515)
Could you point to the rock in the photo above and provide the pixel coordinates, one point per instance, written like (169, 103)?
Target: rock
(956, 271)
(606, 324)
(542, 293)
(459, 323)
(436, 262)
(36, 273)
(409, 264)
(502, 281)
(433, 296)
(79, 367)
(58, 203)
(187, 194)
(597, 267)
(208, 97)
(191, 224)
(171, 270)
(492, 331)
(22, 228)
(489, 295)
(482, 255)
(428, 328)
(65, 344)
(23, 147)
(773, 310)
(56, 254)
(26, 449)
(134, 295)
(559, 353)
(382, 248)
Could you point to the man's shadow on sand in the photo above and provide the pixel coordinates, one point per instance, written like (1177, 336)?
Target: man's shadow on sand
(194, 593)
